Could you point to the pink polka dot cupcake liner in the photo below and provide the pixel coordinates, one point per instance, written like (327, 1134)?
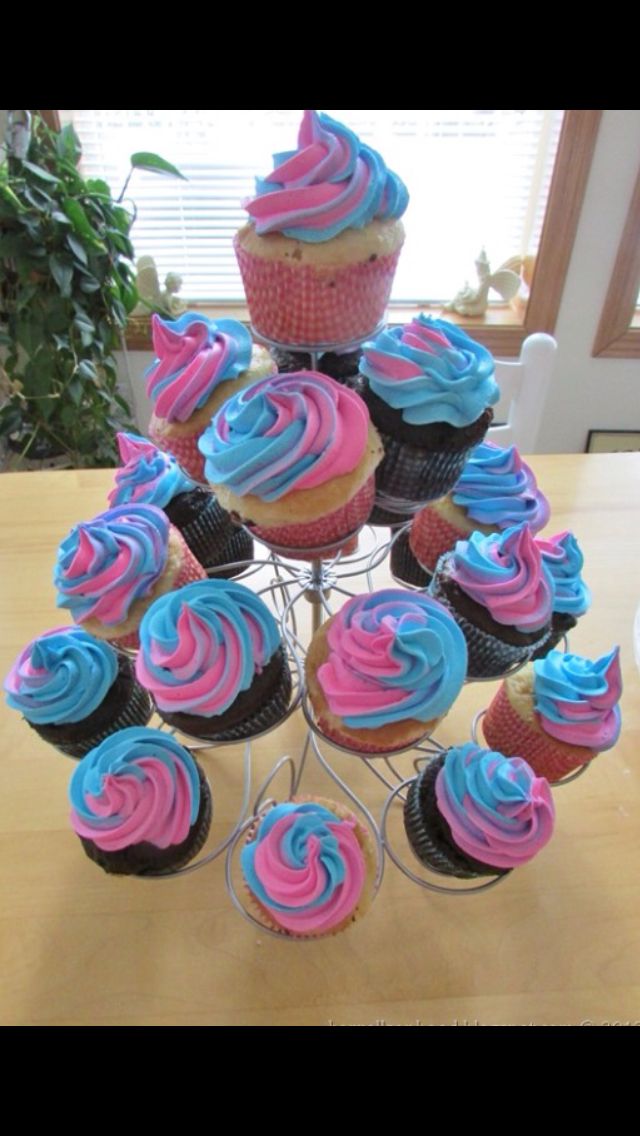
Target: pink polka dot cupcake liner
(430, 535)
(306, 305)
(184, 449)
(330, 533)
(508, 733)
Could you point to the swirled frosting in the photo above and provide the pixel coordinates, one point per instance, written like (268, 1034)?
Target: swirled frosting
(291, 431)
(506, 574)
(62, 676)
(498, 811)
(306, 867)
(193, 355)
(562, 554)
(393, 655)
(201, 646)
(149, 476)
(498, 489)
(332, 182)
(431, 371)
(137, 786)
(576, 700)
(105, 564)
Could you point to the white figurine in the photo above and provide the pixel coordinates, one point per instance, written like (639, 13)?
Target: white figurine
(474, 301)
(152, 297)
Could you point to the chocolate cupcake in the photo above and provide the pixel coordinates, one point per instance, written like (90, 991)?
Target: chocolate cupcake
(563, 556)
(404, 566)
(473, 812)
(151, 477)
(140, 804)
(501, 594)
(212, 658)
(429, 388)
(343, 367)
(75, 690)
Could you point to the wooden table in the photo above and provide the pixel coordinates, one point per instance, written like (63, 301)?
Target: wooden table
(558, 941)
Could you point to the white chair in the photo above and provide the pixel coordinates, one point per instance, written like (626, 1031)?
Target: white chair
(523, 386)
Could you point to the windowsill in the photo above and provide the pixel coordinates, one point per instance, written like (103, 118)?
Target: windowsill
(500, 329)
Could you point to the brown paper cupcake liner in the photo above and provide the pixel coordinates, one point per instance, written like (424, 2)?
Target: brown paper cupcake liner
(413, 475)
(136, 711)
(239, 547)
(204, 524)
(404, 565)
(561, 624)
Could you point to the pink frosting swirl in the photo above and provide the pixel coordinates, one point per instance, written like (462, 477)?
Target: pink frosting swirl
(505, 573)
(576, 700)
(194, 355)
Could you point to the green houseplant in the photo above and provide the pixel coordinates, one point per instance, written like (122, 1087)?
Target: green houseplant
(67, 285)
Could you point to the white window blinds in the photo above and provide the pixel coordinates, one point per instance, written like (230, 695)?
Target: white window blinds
(476, 178)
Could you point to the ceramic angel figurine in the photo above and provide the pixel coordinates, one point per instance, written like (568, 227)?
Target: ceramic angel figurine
(474, 301)
(152, 296)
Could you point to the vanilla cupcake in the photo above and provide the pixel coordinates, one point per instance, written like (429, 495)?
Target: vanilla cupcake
(199, 363)
(110, 569)
(319, 253)
(501, 594)
(429, 388)
(211, 656)
(384, 670)
(495, 490)
(558, 713)
(294, 457)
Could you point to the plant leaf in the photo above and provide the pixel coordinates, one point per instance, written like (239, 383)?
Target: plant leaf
(75, 391)
(155, 165)
(62, 274)
(41, 173)
(68, 144)
(8, 196)
(87, 370)
(77, 248)
(81, 222)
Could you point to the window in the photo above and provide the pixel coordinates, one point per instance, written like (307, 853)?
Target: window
(618, 334)
(475, 178)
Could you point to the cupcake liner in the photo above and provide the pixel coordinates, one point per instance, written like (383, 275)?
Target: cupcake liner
(146, 859)
(302, 541)
(489, 657)
(508, 733)
(341, 367)
(431, 535)
(238, 547)
(387, 518)
(208, 532)
(190, 571)
(404, 565)
(412, 475)
(136, 711)
(429, 834)
(184, 449)
(561, 625)
(268, 714)
(309, 304)
(356, 744)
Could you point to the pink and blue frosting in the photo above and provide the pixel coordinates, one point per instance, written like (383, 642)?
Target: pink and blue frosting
(193, 356)
(393, 655)
(201, 646)
(305, 867)
(431, 371)
(563, 556)
(332, 182)
(148, 476)
(505, 573)
(284, 433)
(576, 699)
(498, 811)
(105, 564)
(138, 786)
(62, 676)
(498, 489)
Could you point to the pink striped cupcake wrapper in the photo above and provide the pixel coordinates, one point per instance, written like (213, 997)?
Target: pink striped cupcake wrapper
(305, 305)
(430, 535)
(330, 533)
(508, 733)
(184, 449)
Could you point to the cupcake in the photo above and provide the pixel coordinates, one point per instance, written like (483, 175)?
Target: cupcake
(140, 804)
(75, 690)
(563, 556)
(309, 867)
(384, 670)
(294, 457)
(495, 490)
(343, 366)
(429, 388)
(558, 713)
(472, 812)
(151, 477)
(500, 592)
(110, 569)
(199, 363)
(320, 250)
(211, 656)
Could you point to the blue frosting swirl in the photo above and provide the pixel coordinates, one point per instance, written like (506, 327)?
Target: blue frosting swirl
(564, 558)
(149, 477)
(577, 698)
(61, 677)
(311, 821)
(498, 489)
(431, 371)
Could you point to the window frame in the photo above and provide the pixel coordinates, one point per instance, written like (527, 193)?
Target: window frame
(618, 334)
(503, 328)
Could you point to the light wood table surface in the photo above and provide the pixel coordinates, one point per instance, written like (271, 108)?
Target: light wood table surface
(557, 942)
